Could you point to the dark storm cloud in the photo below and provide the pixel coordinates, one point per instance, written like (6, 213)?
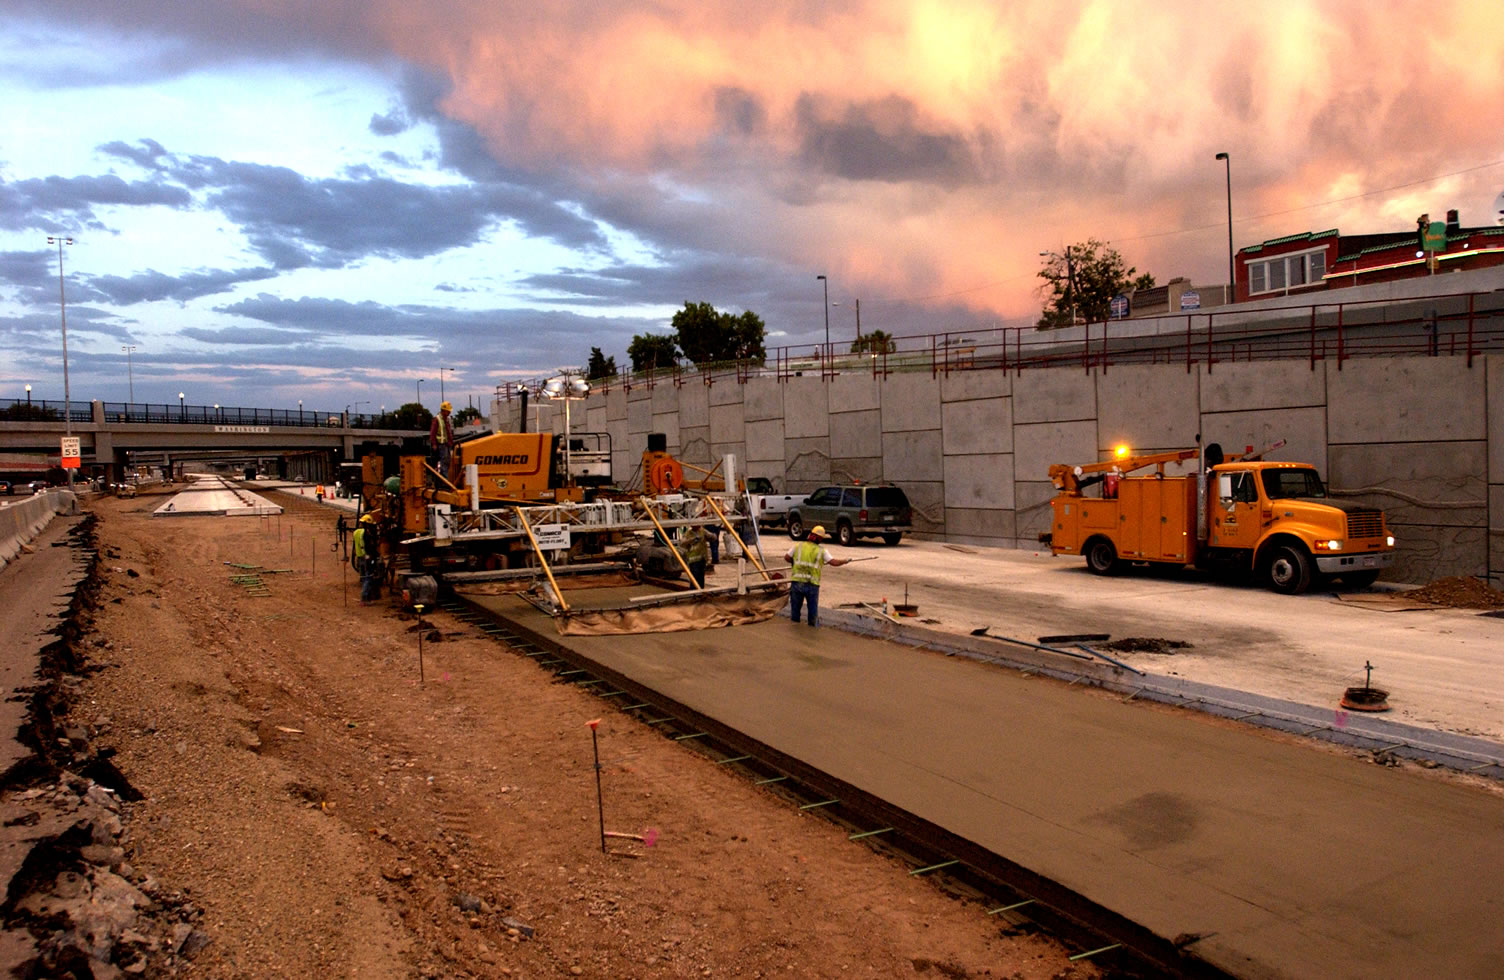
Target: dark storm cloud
(390, 123)
(50, 202)
(706, 277)
(151, 286)
(295, 220)
(147, 154)
(881, 140)
(249, 336)
(495, 338)
(740, 111)
(26, 267)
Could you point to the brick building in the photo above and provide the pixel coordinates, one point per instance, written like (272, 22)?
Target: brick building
(1312, 262)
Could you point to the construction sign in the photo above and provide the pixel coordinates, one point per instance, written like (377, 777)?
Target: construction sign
(71, 452)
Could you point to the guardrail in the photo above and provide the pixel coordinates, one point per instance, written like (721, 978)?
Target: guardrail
(1444, 325)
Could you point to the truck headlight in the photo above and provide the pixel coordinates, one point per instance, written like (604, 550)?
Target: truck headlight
(1389, 541)
(1332, 545)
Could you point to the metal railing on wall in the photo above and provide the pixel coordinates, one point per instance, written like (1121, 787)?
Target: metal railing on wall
(21, 410)
(1445, 325)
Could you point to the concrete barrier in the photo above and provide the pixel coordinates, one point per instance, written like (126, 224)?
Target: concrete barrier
(23, 520)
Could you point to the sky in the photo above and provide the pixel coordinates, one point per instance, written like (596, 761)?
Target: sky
(345, 201)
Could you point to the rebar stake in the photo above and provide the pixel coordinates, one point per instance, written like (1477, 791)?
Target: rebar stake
(600, 805)
(419, 607)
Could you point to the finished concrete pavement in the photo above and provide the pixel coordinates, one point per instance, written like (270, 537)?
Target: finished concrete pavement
(1290, 860)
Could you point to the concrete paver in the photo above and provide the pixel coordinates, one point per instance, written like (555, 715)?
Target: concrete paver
(1290, 861)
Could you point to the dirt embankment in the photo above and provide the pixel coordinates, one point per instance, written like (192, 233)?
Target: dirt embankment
(309, 809)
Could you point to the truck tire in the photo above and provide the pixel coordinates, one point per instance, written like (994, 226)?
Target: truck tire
(1102, 557)
(1360, 580)
(796, 527)
(845, 536)
(1289, 570)
(892, 539)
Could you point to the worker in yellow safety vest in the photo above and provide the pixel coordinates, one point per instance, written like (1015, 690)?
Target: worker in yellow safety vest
(808, 557)
(696, 550)
(441, 439)
(365, 557)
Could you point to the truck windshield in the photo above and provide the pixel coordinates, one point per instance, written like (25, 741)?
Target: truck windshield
(1292, 483)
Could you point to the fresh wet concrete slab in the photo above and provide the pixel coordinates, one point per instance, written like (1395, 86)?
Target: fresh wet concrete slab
(215, 496)
(1284, 859)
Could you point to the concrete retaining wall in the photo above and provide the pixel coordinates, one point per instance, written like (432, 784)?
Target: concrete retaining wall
(24, 519)
(1421, 437)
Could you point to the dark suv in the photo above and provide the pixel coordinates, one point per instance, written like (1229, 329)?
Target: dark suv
(852, 512)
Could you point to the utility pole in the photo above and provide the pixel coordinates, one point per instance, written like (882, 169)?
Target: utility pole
(62, 304)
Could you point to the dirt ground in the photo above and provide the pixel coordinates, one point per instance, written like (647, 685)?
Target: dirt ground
(328, 815)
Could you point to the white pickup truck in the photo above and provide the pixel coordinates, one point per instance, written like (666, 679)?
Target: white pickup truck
(771, 509)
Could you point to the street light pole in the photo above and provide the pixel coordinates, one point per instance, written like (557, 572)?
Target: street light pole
(182, 409)
(420, 390)
(825, 284)
(130, 374)
(1232, 281)
(441, 381)
(62, 305)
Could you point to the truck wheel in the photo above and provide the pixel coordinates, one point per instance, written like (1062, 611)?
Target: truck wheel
(796, 527)
(845, 535)
(1289, 570)
(1360, 580)
(892, 539)
(1102, 557)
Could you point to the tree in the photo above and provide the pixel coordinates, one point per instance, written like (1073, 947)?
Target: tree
(412, 416)
(649, 351)
(1081, 282)
(706, 335)
(467, 415)
(877, 342)
(600, 365)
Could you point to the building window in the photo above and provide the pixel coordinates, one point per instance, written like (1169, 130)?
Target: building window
(1286, 272)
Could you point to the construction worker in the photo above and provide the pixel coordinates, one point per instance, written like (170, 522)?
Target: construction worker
(365, 558)
(807, 558)
(696, 552)
(319, 492)
(441, 439)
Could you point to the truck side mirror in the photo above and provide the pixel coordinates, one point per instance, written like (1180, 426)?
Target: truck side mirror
(1224, 487)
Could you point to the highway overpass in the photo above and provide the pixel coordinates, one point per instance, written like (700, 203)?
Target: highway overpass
(115, 435)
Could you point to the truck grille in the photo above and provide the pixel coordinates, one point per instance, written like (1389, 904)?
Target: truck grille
(1366, 523)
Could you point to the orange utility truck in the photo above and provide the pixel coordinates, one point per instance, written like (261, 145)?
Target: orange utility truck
(1238, 512)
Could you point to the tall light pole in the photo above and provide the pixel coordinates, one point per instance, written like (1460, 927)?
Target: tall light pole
(182, 409)
(825, 284)
(441, 381)
(420, 390)
(1232, 281)
(28, 403)
(62, 305)
(130, 374)
(300, 411)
